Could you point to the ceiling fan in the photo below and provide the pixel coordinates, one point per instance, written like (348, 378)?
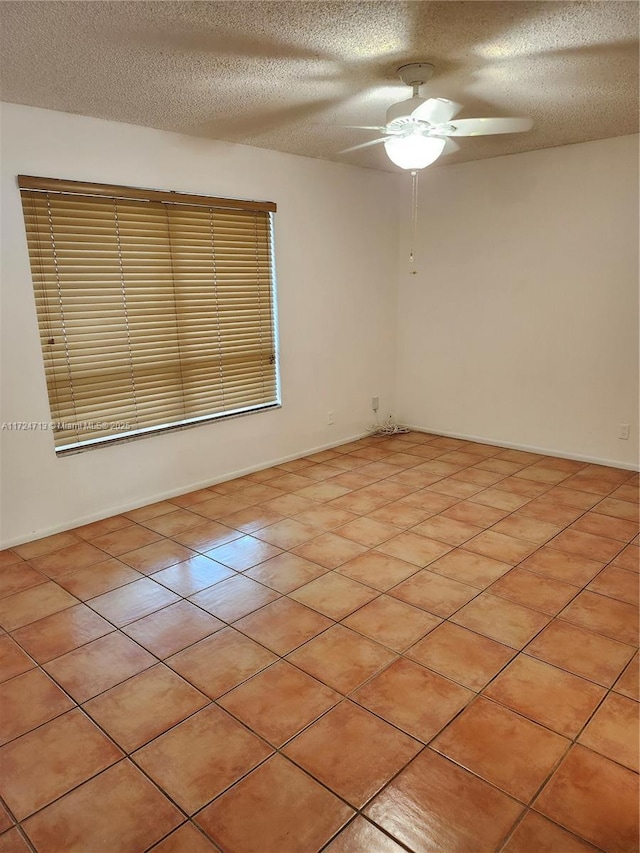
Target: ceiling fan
(418, 130)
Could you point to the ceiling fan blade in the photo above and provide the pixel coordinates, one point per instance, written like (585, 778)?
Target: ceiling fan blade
(364, 145)
(379, 128)
(485, 126)
(436, 110)
(450, 147)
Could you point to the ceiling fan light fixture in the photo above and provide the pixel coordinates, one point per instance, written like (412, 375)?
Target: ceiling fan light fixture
(414, 151)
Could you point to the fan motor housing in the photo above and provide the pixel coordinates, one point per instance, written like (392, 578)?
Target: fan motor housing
(404, 108)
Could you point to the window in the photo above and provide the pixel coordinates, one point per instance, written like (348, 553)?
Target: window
(155, 309)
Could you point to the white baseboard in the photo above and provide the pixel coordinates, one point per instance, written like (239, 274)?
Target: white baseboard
(172, 493)
(545, 451)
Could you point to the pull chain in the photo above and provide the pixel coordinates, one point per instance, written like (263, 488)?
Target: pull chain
(414, 220)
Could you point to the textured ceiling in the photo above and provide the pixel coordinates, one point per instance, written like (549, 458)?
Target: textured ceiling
(287, 75)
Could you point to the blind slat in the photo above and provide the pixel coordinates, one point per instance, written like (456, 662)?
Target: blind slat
(152, 311)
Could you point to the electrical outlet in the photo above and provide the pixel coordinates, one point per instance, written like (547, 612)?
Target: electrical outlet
(623, 432)
(375, 403)
(330, 419)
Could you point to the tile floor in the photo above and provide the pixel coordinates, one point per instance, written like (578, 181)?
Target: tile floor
(402, 644)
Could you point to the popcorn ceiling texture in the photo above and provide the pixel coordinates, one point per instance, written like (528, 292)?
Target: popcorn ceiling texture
(287, 75)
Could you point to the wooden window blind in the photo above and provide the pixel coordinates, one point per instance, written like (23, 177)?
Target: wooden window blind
(155, 309)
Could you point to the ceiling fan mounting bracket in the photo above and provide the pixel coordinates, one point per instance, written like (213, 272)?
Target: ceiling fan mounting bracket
(416, 73)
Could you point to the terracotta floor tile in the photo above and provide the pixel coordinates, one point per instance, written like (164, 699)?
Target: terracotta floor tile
(507, 549)
(619, 509)
(413, 548)
(333, 595)
(501, 620)
(368, 531)
(290, 504)
(377, 570)
(150, 511)
(391, 623)
(617, 583)
(46, 545)
(133, 814)
(456, 488)
(285, 572)
(541, 474)
(100, 578)
(243, 553)
(586, 545)
(27, 701)
(61, 632)
(605, 525)
(191, 498)
(546, 508)
(595, 798)
(287, 533)
(575, 498)
(125, 540)
(145, 706)
(18, 577)
(479, 477)
(13, 660)
(613, 731)
(33, 604)
(170, 523)
(99, 665)
(325, 518)
(581, 652)
(198, 759)
(539, 593)
(475, 514)
(289, 482)
(173, 628)
(157, 556)
(500, 500)
(629, 559)
(447, 530)
(234, 598)
(218, 663)
(547, 695)
(341, 658)
(414, 699)
(536, 834)
(219, 506)
(133, 601)
(472, 569)
(400, 515)
(323, 492)
(8, 557)
(194, 575)
(207, 536)
(627, 684)
(433, 805)
(507, 750)
(278, 702)
(435, 593)
(276, 807)
(44, 764)
(13, 842)
(352, 752)
(529, 529)
(428, 501)
(283, 625)
(251, 519)
(614, 619)
(185, 839)
(562, 567)
(520, 486)
(363, 837)
(461, 655)
(329, 550)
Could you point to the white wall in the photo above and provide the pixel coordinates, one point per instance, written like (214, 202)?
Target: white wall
(522, 324)
(336, 257)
